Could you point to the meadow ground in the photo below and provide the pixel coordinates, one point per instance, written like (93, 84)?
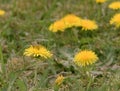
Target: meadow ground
(26, 22)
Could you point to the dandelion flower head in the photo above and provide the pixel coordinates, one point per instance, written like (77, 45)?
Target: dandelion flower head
(115, 5)
(2, 12)
(57, 26)
(72, 20)
(115, 20)
(100, 1)
(37, 51)
(59, 80)
(88, 24)
(68, 21)
(85, 57)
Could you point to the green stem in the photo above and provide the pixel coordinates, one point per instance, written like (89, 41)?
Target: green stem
(35, 76)
(90, 82)
(2, 60)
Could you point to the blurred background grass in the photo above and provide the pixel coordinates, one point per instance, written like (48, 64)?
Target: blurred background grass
(26, 22)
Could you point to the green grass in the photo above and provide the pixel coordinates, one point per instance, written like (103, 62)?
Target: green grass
(26, 22)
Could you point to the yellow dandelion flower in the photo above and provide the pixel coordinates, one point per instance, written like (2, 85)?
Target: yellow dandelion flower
(115, 5)
(36, 51)
(115, 20)
(57, 26)
(72, 20)
(68, 21)
(88, 24)
(100, 1)
(2, 12)
(85, 57)
(59, 80)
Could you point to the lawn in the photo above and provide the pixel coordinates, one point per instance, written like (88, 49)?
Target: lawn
(53, 62)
